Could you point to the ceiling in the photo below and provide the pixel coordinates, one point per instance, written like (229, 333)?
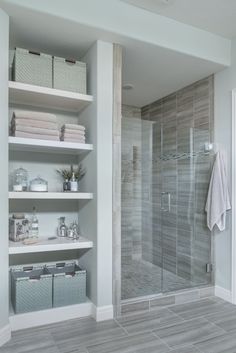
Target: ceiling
(154, 71)
(216, 16)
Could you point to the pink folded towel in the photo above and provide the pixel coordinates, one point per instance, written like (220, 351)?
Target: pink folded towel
(35, 130)
(34, 123)
(25, 114)
(36, 136)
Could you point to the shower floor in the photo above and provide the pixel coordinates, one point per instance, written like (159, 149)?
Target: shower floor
(140, 278)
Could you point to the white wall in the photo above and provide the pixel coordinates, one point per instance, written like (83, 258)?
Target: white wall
(96, 216)
(4, 35)
(123, 20)
(225, 81)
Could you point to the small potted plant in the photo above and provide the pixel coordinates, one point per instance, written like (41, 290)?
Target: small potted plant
(72, 177)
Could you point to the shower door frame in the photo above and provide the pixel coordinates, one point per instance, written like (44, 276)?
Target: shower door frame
(231, 296)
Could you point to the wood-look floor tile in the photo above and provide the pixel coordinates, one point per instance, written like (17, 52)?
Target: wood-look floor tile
(197, 309)
(148, 321)
(225, 343)
(188, 332)
(83, 332)
(30, 344)
(225, 319)
(142, 343)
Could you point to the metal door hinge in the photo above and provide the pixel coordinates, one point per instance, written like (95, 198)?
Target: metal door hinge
(209, 268)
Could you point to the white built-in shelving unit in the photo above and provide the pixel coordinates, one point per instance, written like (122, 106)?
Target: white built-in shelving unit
(50, 195)
(44, 146)
(22, 93)
(48, 98)
(45, 245)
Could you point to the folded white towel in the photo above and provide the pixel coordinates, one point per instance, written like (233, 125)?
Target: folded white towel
(35, 123)
(73, 136)
(73, 132)
(73, 127)
(218, 201)
(25, 114)
(35, 130)
(36, 136)
(73, 140)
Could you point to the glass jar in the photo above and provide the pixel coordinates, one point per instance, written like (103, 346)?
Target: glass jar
(62, 229)
(20, 182)
(38, 185)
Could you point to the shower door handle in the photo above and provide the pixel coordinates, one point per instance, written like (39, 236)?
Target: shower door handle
(164, 195)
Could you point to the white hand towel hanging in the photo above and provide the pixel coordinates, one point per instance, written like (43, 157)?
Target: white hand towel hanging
(218, 201)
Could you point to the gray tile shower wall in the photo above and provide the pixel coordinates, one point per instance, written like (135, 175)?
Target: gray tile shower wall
(173, 161)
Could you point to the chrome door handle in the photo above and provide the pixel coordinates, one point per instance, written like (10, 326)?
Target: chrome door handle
(165, 193)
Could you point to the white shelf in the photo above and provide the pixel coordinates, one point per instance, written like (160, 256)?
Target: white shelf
(50, 195)
(45, 245)
(42, 146)
(22, 93)
(49, 316)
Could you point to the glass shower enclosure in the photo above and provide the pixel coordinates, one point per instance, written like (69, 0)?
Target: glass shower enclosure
(166, 167)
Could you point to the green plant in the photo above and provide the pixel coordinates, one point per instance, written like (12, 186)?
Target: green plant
(66, 174)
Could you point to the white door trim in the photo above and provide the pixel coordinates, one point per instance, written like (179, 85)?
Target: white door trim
(233, 229)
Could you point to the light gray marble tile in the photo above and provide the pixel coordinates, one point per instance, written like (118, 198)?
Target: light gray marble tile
(188, 332)
(143, 343)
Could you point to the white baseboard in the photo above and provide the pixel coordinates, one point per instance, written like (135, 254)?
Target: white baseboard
(223, 294)
(5, 335)
(50, 316)
(102, 313)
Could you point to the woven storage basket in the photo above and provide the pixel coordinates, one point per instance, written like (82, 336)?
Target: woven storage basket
(69, 284)
(31, 289)
(33, 68)
(69, 75)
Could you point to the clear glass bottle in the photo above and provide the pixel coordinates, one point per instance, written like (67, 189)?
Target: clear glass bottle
(20, 182)
(62, 229)
(73, 183)
(34, 226)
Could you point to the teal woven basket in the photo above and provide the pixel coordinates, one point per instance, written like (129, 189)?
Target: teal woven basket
(69, 284)
(32, 67)
(31, 289)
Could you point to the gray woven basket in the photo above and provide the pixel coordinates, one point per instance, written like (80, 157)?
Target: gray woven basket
(31, 289)
(32, 68)
(69, 75)
(69, 284)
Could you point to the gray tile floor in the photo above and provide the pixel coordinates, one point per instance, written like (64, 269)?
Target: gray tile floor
(207, 326)
(140, 278)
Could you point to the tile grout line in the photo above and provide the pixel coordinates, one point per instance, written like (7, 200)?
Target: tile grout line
(120, 325)
(165, 343)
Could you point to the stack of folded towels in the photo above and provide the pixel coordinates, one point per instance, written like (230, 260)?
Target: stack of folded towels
(73, 133)
(35, 125)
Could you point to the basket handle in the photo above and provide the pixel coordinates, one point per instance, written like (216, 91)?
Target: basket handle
(60, 264)
(70, 61)
(34, 52)
(28, 268)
